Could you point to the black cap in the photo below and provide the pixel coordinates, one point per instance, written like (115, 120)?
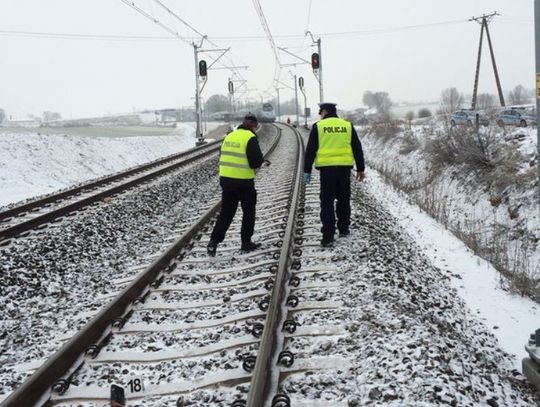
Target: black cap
(329, 107)
(250, 117)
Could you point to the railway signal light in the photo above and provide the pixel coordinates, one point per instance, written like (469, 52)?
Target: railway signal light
(231, 87)
(301, 82)
(315, 61)
(202, 68)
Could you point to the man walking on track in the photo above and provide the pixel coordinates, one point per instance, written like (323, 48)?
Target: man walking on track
(240, 156)
(334, 146)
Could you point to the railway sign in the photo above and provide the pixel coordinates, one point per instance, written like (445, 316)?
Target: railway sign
(202, 68)
(315, 64)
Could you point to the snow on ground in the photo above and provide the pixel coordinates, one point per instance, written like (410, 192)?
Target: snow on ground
(32, 163)
(493, 207)
(509, 317)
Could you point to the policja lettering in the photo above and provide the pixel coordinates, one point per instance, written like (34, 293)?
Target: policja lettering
(335, 129)
(231, 144)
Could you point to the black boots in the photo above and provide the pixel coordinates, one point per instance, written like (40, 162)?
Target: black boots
(249, 246)
(327, 242)
(211, 248)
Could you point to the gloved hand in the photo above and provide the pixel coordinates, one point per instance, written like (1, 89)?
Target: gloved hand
(307, 177)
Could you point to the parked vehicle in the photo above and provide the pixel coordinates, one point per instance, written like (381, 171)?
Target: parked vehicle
(469, 117)
(515, 116)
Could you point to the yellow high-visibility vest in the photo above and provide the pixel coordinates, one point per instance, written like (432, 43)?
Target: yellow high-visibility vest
(233, 162)
(334, 143)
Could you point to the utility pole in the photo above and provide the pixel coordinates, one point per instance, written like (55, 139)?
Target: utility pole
(230, 86)
(537, 46)
(296, 100)
(201, 69)
(484, 21)
(301, 85)
(278, 104)
(318, 71)
(198, 131)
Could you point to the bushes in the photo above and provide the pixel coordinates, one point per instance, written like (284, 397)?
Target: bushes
(423, 113)
(409, 143)
(384, 131)
(486, 166)
(495, 162)
(455, 147)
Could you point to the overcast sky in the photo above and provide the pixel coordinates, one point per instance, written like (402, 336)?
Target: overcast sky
(366, 45)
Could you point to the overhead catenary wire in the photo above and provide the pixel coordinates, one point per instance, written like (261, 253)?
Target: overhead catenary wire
(188, 40)
(150, 17)
(266, 28)
(308, 16)
(175, 15)
(232, 68)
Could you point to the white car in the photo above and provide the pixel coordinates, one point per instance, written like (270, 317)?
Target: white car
(517, 117)
(467, 116)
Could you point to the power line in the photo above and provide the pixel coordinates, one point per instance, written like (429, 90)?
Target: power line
(248, 38)
(67, 36)
(232, 68)
(266, 29)
(189, 41)
(178, 17)
(308, 16)
(392, 29)
(151, 18)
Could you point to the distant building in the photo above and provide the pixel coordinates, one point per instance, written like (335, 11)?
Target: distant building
(21, 121)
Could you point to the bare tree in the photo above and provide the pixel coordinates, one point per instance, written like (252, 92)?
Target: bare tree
(518, 96)
(485, 101)
(2, 115)
(451, 100)
(409, 116)
(380, 101)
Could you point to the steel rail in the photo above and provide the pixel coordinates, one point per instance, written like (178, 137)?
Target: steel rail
(27, 207)
(29, 224)
(265, 378)
(35, 390)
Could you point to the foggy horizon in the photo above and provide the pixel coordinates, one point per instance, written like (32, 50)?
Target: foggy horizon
(86, 60)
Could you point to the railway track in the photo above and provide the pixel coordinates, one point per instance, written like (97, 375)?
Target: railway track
(235, 295)
(19, 220)
(290, 324)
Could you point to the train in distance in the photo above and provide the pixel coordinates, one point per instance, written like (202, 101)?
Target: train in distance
(265, 114)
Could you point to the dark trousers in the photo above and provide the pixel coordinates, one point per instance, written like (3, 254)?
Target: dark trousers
(335, 185)
(231, 195)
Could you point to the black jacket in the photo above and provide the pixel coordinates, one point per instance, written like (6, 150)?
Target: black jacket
(255, 160)
(313, 146)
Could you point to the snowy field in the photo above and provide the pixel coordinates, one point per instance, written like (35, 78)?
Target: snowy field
(33, 163)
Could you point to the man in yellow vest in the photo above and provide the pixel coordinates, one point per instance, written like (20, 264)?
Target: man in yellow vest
(334, 146)
(240, 156)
